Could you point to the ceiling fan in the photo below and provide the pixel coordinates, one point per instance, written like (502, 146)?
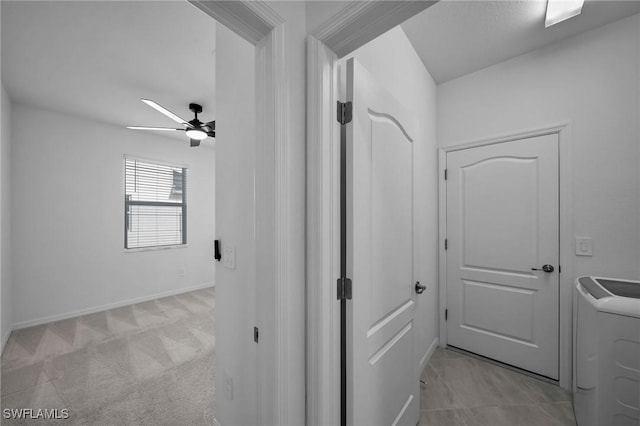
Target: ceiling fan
(196, 130)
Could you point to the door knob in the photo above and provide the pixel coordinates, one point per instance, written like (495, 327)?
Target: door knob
(420, 288)
(545, 268)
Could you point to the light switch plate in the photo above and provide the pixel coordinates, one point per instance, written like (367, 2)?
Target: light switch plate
(229, 257)
(584, 246)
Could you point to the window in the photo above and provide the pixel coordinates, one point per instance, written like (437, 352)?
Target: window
(155, 206)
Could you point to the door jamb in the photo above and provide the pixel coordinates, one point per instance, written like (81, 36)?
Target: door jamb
(323, 235)
(563, 131)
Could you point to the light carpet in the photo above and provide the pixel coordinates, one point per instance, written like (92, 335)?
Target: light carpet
(145, 364)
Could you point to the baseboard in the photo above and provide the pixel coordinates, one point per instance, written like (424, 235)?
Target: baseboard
(427, 355)
(59, 317)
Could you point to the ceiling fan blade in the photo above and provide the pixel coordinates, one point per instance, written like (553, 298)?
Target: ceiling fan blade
(154, 128)
(166, 112)
(211, 124)
(194, 142)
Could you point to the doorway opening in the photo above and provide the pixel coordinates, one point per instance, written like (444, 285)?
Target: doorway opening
(113, 281)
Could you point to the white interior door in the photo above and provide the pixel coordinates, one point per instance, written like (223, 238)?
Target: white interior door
(383, 381)
(502, 221)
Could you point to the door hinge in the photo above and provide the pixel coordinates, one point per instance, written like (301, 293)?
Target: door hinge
(446, 243)
(446, 314)
(345, 112)
(559, 268)
(445, 174)
(256, 334)
(344, 288)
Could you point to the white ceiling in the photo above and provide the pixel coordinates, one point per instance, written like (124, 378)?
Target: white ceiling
(454, 38)
(96, 59)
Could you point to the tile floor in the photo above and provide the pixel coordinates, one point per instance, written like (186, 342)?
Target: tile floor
(463, 390)
(146, 364)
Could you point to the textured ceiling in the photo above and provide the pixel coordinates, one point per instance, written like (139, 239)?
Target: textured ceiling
(454, 38)
(96, 59)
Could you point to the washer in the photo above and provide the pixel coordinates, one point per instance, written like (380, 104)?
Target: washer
(606, 352)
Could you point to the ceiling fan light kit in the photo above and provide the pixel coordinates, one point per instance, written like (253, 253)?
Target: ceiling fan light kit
(197, 134)
(195, 129)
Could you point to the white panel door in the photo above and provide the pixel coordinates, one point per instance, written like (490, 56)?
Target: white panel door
(383, 385)
(503, 221)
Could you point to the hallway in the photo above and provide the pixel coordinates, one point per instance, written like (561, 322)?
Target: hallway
(461, 390)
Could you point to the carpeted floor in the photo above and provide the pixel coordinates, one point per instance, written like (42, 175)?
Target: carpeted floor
(144, 364)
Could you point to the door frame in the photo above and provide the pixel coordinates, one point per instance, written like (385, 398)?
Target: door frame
(565, 236)
(279, 265)
(353, 26)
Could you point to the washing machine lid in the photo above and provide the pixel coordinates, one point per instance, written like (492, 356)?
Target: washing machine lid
(621, 288)
(611, 295)
(595, 290)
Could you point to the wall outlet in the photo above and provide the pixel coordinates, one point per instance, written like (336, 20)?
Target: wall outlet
(181, 272)
(584, 246)
(229, 257)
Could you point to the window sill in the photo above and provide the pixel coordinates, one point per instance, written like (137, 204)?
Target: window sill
(155, 248)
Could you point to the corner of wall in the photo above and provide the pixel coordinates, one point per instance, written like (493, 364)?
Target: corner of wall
(429, 352)
(5, 339)
(6, 321)
(638, 126)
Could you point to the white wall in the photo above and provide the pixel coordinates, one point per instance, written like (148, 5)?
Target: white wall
(236, 353)
(392, 60)
(591, 82)
(638, 126)
(294, 353)
(5, 220)
(281, 399)
(67, 217)
(292, 343)
(235, 129)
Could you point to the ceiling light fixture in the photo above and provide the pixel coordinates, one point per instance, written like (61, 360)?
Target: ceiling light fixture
(561, 10)
(197, 134)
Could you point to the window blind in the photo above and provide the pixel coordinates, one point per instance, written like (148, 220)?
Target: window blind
(155, 204)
